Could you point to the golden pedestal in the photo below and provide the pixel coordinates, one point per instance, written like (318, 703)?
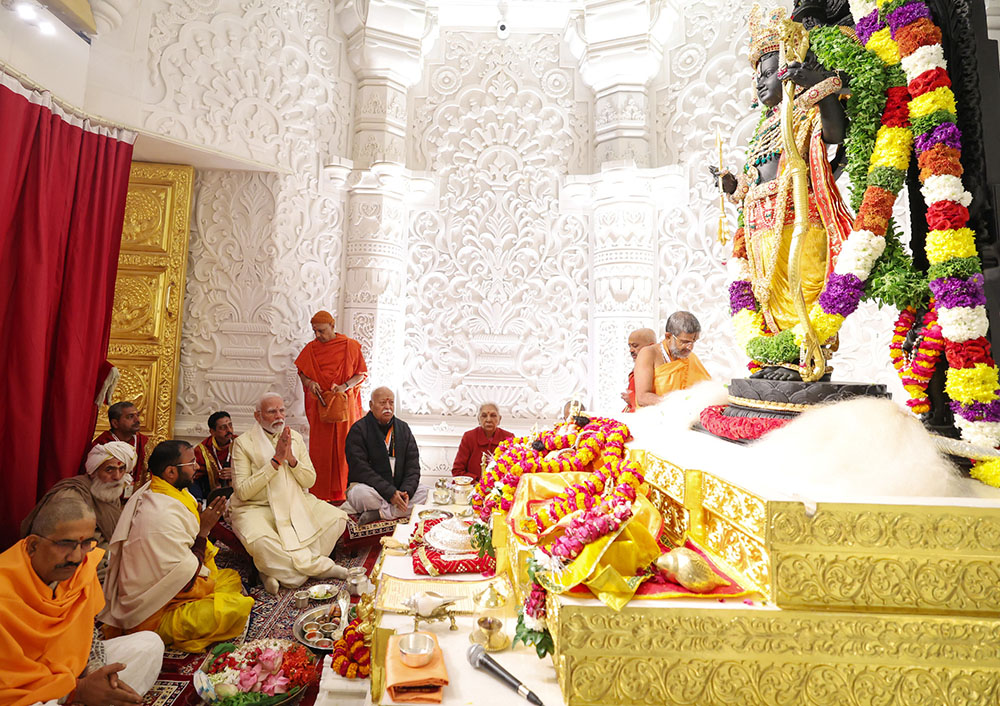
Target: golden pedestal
(893, 604)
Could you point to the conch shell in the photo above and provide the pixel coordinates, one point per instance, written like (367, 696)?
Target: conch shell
(689, 569)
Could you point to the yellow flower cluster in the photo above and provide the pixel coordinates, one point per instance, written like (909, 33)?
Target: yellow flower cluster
(939, 99)
(881, 43)
(943, 245)
(892, 148)
(826, 325)
(748, 325)
(976, 384)
(987, 471)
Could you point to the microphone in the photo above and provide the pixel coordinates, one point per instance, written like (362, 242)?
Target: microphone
(480, 660)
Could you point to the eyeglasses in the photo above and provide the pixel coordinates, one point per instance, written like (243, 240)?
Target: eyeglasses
(70, 545)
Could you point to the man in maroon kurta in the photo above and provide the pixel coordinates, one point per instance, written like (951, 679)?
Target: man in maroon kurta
(125, 424)
(331, 362)
(483, 439)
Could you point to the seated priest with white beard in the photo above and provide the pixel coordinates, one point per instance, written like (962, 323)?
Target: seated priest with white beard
(383, 463)
(288, 531)
(108, 469)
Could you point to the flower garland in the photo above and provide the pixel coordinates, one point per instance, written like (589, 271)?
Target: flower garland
(903, 31)
(886, 166)
(589, 527)
(600, 440)
(915, 371)
(351, 658)
(617, 480)
(738, 428)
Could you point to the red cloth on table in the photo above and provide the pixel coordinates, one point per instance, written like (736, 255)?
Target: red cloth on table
(480, 565)
(62, 204)
(469, 459)
(331, 363)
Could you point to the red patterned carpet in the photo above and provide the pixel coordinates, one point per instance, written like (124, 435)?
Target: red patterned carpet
(272, 616)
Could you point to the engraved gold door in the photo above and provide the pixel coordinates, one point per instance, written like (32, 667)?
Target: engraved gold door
(149, 295)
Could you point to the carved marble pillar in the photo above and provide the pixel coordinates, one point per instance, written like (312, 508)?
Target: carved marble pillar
(623, 202)
(375, 259)
(385, 46)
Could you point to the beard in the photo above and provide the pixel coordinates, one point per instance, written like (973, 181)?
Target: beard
(275, 427)
(678, 352)
(108, 492)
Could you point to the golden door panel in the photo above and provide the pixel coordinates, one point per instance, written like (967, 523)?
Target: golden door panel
(137, 314)
(149, 294)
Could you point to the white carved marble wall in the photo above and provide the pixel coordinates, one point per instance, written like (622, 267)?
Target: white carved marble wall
(706, 87)
(265, 253)
(263, 79)
(498, 279)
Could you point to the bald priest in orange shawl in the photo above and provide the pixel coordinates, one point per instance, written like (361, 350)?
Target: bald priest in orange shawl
(670, 364)
(49, 598)
(332, 369)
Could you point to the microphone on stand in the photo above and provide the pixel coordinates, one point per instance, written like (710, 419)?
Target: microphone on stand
(480, 660)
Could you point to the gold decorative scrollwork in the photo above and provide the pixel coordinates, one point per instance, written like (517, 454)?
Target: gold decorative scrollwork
(149, 291)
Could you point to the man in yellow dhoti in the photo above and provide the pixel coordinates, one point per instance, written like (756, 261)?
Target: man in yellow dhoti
(162, 574)
(671, 364)
(49, 597)
(288, 531)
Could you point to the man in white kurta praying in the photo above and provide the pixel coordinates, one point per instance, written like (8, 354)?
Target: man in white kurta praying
(288, 531)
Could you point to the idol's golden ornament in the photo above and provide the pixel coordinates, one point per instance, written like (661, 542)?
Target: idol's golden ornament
(689, 569)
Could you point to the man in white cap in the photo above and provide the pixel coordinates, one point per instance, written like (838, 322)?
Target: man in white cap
(108, 474)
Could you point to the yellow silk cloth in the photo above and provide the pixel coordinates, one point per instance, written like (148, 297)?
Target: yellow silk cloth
(678, 374)
(781, 305)
(45, 636)
(609, 566)
(212, 610)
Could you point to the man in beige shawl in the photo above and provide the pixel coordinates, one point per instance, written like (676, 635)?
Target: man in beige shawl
(108, 474)
(288, 531)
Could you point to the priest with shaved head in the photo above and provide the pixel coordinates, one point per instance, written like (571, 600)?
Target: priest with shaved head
(331, 368)
(49, 598)
(384, 463)
(289, 531)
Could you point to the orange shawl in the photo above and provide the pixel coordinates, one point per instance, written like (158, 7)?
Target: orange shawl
(45, 640)
(678, 374)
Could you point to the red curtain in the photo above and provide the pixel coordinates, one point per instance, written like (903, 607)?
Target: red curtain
(63, 185)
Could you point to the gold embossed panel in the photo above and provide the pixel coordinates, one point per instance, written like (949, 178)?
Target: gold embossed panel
(729, 655)
(149, 294)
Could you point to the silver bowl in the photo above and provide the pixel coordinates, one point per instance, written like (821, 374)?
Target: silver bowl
(416, 649)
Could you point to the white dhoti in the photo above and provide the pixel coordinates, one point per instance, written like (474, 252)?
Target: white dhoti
(363, 497)
(293, 568)
(142, 655)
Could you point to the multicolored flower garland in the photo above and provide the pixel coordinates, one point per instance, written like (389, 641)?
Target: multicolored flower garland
(618, 480)
(915, 371)
(903, 31)
(601, 440)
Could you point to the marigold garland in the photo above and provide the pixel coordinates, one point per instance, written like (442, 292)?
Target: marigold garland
(600, 443)
(351, 658)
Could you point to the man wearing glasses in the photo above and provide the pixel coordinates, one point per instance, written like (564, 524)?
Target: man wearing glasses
(162, 574)
(49, 597)
(108, 472)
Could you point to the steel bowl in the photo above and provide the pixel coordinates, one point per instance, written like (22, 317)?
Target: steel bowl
(416, 649)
